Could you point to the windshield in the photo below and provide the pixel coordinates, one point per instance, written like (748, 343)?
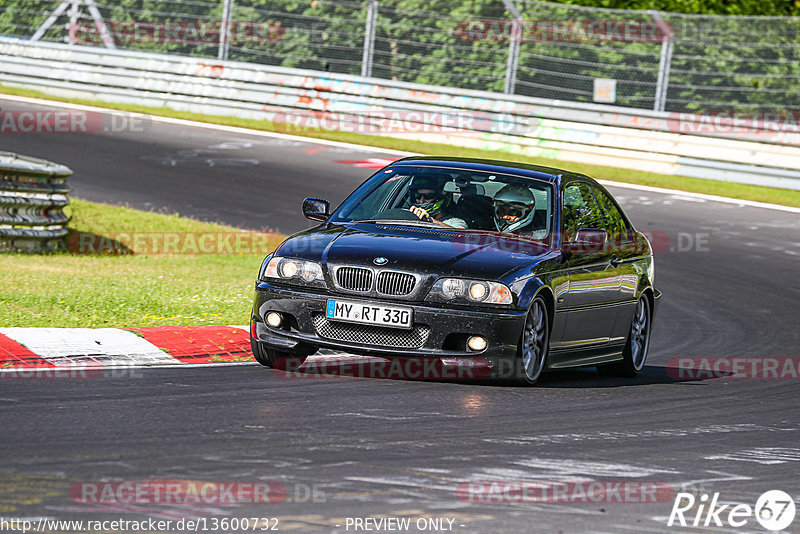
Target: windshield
(455, 198)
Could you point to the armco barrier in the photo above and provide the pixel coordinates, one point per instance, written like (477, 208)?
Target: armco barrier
(760, 153)
(33, 193)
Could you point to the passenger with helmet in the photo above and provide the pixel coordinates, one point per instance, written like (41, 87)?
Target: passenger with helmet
(430, 203)
(514, 209)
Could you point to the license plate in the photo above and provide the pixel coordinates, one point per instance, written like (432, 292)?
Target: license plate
(368, 313)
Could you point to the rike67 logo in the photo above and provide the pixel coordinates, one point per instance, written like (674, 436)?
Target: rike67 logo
(774, 510)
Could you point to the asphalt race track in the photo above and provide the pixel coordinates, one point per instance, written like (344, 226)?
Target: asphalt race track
(359, 448)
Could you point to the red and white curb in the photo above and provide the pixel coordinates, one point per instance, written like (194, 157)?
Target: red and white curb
(35, 352)
(26, 348)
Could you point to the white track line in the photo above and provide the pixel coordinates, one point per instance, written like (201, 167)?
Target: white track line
(364, 148)
(700, 196)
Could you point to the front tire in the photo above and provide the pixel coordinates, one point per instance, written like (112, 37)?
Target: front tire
(274, 359)
(634, 354)
(534, 344)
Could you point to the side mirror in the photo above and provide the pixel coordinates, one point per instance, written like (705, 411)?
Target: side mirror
(316, 209)
(587, 240)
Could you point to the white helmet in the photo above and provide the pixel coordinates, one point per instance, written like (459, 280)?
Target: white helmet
(513, 207)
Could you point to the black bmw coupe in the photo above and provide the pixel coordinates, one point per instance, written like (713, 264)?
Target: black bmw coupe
(528, 268)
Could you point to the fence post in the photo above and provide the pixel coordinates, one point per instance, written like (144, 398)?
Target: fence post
(225, 30)
(74, 6)
(74, 14)
(515, 37)
(664, 62)
(369, 37)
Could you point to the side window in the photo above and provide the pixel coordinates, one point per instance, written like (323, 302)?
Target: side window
(580, 210)
(615, 221)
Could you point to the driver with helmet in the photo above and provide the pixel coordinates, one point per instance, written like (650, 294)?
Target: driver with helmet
(430, 203)
(514, 208)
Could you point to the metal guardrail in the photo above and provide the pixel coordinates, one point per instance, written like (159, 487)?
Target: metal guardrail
(605, 135)
(642, 59)
(33, 194)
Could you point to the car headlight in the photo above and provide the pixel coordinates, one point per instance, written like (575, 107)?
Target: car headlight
(452, 288)
(478, 291)
(293, 271)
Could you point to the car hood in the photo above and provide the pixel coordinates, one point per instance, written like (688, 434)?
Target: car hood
(422, 250)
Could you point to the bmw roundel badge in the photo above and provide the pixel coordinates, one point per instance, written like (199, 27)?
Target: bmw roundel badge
(380, 261)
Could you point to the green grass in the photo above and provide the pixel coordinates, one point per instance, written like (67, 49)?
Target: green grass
(727, 189)
(72, 289)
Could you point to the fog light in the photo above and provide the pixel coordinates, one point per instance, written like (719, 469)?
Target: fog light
(476, 343)
(274, 319)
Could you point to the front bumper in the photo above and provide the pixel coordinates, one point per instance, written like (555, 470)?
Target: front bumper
(447, 327)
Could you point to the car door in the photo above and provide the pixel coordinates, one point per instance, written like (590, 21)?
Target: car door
(592, 293)
(625, 249)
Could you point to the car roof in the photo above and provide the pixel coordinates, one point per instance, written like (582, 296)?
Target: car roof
(549, 174)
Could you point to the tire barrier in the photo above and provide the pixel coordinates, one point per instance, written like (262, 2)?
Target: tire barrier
(33, 194)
